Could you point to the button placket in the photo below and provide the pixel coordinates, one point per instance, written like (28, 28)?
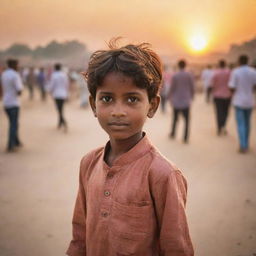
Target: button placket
(107, 192)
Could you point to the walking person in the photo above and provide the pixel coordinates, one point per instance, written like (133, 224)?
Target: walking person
(31, 81)
(12, 88)
(242, 83)
(206, 77)
(41, 81)
(165, 87)
(58, 87)
(181, 95)
(221, 96)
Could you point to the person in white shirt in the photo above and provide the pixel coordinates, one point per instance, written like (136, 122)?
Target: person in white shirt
(206, 78)
(58, 87)
(12, 87)
(242, 81)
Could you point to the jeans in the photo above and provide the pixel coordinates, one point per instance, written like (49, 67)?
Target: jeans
(13, 116)
(243, 117)
(185, 113)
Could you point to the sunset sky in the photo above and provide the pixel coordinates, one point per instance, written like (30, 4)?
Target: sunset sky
(169, 25)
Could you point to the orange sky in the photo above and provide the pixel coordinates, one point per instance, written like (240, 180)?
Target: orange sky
(166, 24)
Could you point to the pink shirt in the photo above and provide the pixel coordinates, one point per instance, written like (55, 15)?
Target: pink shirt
(136, 207)
(219, 83)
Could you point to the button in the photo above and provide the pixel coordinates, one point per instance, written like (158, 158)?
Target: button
(107, 193)
(104, 214)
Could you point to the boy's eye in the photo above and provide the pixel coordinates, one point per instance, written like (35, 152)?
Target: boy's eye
(106, 98)
(132, 99)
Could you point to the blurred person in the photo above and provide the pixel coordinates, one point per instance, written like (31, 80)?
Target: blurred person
(181, 95)
(206, 77)
(221, 95)
(165, 87)
(30, 82)
(242, 81)
(231, 66)
(41, 81)
(58, 87)
(1, 90)
(131, 199)
(12, 87)
(83, 90)
(24, 72)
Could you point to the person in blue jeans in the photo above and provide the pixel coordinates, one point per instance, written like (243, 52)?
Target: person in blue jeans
(12, 87)
(242, 82)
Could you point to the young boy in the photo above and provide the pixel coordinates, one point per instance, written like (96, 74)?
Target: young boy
(131, 200)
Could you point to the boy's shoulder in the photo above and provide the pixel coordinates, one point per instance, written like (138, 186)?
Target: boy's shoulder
(90, 158)
(162, 169)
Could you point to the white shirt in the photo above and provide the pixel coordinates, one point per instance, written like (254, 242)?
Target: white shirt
(59, 85)
(243, 79)
(206, 77)
(11, 84)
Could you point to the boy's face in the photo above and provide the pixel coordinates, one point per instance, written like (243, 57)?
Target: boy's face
(121, 107)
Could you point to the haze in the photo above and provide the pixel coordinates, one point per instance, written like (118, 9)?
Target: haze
(167, 24)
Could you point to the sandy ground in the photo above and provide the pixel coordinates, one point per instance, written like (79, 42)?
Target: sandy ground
(38, 184)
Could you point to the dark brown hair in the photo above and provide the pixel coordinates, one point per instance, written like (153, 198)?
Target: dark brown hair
(136, 61)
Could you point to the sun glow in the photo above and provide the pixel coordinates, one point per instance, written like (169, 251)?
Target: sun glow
(198, 43)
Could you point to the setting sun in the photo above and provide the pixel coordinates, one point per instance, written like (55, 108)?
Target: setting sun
(198, 43)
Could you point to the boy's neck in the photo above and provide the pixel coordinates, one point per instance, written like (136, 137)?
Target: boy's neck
(119, 147)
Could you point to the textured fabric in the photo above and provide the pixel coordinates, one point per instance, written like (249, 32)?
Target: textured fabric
(136, 207)
(182, 90)
(219, 84)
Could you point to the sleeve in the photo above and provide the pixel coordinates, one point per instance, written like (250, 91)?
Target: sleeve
(170, 198)
(77, 245)
(232, 80)
(18, 83)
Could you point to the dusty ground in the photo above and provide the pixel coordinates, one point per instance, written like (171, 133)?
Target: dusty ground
(38, 184)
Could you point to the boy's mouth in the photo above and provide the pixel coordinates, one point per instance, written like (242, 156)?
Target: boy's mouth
(117, 124)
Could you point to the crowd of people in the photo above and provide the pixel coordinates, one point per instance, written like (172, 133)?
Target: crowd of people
(222, 85)
(57, 82)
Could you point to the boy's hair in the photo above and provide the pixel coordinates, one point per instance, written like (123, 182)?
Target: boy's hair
(182, 64)
(243, 59)
(136, 61)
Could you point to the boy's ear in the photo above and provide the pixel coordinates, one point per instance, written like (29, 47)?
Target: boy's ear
(93, 105)
(154, 103)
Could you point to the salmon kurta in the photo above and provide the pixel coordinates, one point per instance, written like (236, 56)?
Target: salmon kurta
(135, 207)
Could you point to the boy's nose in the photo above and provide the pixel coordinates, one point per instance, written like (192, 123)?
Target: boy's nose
(118, 110)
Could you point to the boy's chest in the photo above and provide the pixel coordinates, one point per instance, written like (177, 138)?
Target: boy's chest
(120, 201)
(125, 185)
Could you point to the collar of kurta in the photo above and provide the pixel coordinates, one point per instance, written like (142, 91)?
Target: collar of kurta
(136, 152)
